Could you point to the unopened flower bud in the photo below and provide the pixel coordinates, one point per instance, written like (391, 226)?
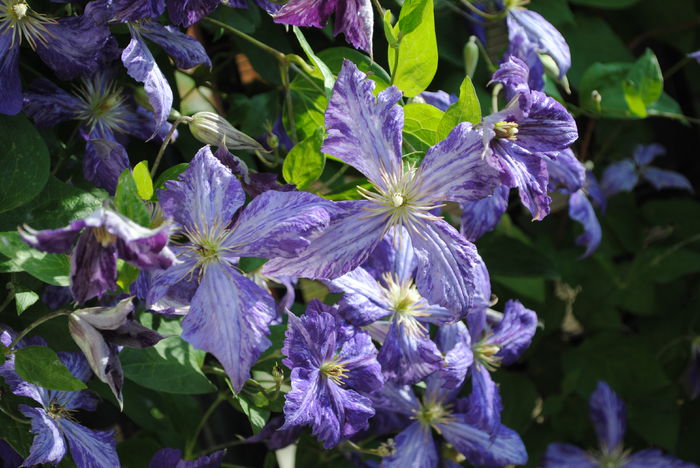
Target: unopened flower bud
(213, 129)
(471, 56)
(107, 318)
(551, 69)
(597, 98)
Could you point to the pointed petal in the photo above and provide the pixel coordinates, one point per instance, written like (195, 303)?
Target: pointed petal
(53, 240)
(359, 356)
(186, 51)
(415, 447)
(394, 254)
(363, 300)
(454, 168)
(566, 170)
(47, 104)
(48, 445)
(206, 194)
(581, 210)
(515, 331)
(619, 177)
(229, 318)
(547, 127)
(609, 415)
(484, 402)
(567, 456)
(309, 339)
(11, 97)
(446, 266)
(305, 13)
(396, 399)
(350, 238)
(502, 447)
(88, 448)
(482, 216)
(514, 74)
(662, 179)
(141, 66)
(172, 458)
(103, 163)
(546, 37)
(187, 12)
(645, 154)
(93, 269)
(408, 356)
(355, 19)
(364, 132)
(181, 272)
(279, 224)
(439, 99)
(652, 458)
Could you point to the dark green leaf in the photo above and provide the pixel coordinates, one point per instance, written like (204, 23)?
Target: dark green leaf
(257, 416)
(49, 268)
(328, 78)
(127, 199)
(170, 173)
(40, 365)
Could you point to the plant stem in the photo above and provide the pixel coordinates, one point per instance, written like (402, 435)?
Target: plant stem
(35, 324)
(10, 296)
(218, 447)
(13, 417)
(193, 440)
(483, 14)
(166, 140)
(270, 50)
(284, 73)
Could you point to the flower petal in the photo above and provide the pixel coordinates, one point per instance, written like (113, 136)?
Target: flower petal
(93, 268)
(482, 216)
(48, 445)
(652, 458)
(47, 104)
(547, 127)
(645, 154)
(581, 210)
(408, 355)
(364, 132)
(415, 447)
(515, 331)
(172, 458)
(541, 32)
(186, 51)
(394, 254)
(103, 163)
(355, 19)
(11, 96)
(566, 170)
(608, 414)
(619, 177)
(88, 448)
(187, 12)
(662, 179)
(567, 456)
(363, 300)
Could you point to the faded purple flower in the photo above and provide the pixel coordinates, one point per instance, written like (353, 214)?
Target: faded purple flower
(331, 364)
(95, 243)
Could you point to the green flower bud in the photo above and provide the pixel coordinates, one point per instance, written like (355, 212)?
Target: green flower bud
(212, 129)
(471, 56)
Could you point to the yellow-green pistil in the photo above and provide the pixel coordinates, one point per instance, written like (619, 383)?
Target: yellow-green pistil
(334, 370)
(21, 21)
(486, 354)
(406, 303)
(506, 130)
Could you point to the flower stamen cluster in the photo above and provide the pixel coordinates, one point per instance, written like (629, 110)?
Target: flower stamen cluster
(102, 106)
(18, 18)
(487, 354)
(506, 130)
(406, 303)
(334, 370)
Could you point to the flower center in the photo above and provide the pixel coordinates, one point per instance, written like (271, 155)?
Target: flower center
(486, 354)
(207, 244)
(57, 411)
(614, 458)
(506, 130)
(104, 237)
(22, 22)
(334, 370)
(432, 412)
(102, 105)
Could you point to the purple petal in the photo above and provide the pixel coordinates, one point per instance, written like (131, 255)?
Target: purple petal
(10, 458)
(229, 318)
(539, 31)
(484, 402)
(309, 339)
(515, 331)
(396, 399)
(595, 191)
(447, 266)
(172, 458)
(48, 445)
(567, 456)
(454, 341)
(187, 12)
(608, 414)
(355, 19)
(439, 99)
(186, 51)
(566, 170)
(415, 447)
(125, 10)
(103, 163)
(394, 254)
(363, 300)
(662, 179)
(93, 269)
(349, 239)
(177, 276)
(47, 104)
(206, 194)
(11, 96)
(482, 216)
(279, 224)
(651, 458)
(520, 46)
(547, 127)
(88, 448)
(695, 55)
(454, 169)
(53, 240)
(581, 210)
(513, 73)
(502, 447)
(305, 12)
(364, 132)
(619, 177)
(407, 354)
(645, 154)
(141, 66)
(359, 356)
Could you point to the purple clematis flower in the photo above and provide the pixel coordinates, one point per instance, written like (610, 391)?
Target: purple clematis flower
(53, 423)
(172, 458)
(365, 133)
(623, 176)
(454, 419)
(71, 47)
(354, 18)
(331, 362)
(385, 288)
(106, 114)
(229, 314)
(102, 237)
(521, 137)
(608, 414)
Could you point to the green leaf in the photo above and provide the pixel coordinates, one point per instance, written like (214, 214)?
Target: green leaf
(328, 78)
(335, 56)
(643, 84)
(24, 298)
(144, 183)
(127, 200)
(304, 163)
(40, 365)
(421, 123)
(171, 366)
(414, 62)
(16, 434)
(49, 268)
(170, 173)
(24, 162)
(257, 416)
(466, 109)
(309, 105)
(389, 32)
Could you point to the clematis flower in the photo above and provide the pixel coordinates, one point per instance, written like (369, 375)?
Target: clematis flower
(384, 288)
(140, 17)
(188, 12)
(106, 115)
(623, 176)
(172, 458)
(365, 133)
(354, 18)
(102, 237)
(608, 414)
(99, 330)
(53, 423)
(229, 314)
(331, 363)
(454, 419)
(71, 47)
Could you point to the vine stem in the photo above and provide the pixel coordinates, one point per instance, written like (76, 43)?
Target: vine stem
(35, 324)
(13, 417)
(270, 50)
(166, 140)
(193, 440)
(218, 447)
(483, 14)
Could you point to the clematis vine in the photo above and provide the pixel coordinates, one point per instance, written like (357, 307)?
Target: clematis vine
(95, 243)
(365, 132)
(56, 431)
(331, 363)
(608, 413)
(228, 314)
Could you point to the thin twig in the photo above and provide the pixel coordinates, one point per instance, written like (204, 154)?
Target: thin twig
(193, 440)
(166, 140)
(35, 324)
